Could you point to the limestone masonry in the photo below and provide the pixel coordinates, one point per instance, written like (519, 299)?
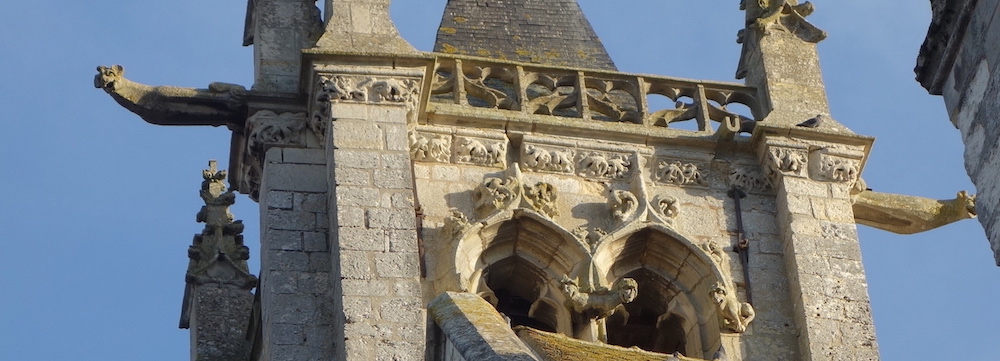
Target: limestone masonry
(512, 196)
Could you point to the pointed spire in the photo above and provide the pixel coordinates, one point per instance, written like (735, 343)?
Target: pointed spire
(553, 32)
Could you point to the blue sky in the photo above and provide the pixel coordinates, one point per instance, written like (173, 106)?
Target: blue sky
(97, 207)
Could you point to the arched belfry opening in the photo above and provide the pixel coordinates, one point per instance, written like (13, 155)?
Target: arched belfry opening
(516, 265)
(672, 311)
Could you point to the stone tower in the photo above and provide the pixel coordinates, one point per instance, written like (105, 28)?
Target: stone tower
(513, 196)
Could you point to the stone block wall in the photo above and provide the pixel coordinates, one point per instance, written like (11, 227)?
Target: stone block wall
(282, 28)
(373, 227)
(971, 89)
(296, 284)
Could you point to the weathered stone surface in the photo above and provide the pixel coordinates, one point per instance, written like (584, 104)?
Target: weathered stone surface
(476, 329)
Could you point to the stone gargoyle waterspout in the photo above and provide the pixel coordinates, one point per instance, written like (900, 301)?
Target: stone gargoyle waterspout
(220, 104)
(905, 214)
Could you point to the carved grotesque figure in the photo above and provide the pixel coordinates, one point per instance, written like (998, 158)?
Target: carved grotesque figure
(735, 315)
(600, 303)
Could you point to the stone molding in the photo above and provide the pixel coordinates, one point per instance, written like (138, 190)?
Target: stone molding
(332, 88)
(819, 162)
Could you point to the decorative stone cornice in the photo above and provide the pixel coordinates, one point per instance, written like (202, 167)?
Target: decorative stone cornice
(333, 88)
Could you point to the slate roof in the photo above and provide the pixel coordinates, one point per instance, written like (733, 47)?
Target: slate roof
(553, 32)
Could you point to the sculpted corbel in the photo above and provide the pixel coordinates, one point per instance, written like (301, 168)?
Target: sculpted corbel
(592, 306)
(220, 104)
(735, 315)
(905, 214)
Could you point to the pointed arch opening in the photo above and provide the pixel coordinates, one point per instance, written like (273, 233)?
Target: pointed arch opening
(672, 311)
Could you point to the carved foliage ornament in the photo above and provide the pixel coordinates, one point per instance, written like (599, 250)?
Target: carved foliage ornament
(787, 160)
(332, 88)
(557, 160)
(430, 147)
(603, 165)
(748, 178)
(481, 152)
(678, 173)
(267, 127)
(838, 169)
(495, 194)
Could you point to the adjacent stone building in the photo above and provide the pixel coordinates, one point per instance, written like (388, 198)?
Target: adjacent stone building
(959, 60)
(513, 196)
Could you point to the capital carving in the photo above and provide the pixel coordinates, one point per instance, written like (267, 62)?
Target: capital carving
(266, 127)
(454, 225)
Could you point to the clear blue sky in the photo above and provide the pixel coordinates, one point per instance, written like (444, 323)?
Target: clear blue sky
(97, 207)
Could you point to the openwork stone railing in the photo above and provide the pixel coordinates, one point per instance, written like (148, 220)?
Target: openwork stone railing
(592, 94)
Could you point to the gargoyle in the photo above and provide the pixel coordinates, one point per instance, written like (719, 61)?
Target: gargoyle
(735, 315)
(904, 214)
(220, 104)
(600, 303)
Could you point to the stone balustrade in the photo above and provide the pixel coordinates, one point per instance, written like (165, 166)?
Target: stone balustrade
(653, 101)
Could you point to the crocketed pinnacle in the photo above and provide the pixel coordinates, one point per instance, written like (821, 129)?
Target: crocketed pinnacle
(553, 32)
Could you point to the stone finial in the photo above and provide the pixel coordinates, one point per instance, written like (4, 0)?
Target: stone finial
(217, 254)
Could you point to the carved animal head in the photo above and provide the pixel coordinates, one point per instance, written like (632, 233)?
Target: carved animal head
(627, 288)
(108, 77)
(718, 293)
(967, 202)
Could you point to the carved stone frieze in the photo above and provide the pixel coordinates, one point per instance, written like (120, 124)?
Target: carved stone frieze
(542, 198)
(480, 151)
(836, 169)
(678, 173)
(748, 178)
(788, 160)
(266, 127)
(334, 88)
(430, 147)
(595, 164)
(546, 159)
